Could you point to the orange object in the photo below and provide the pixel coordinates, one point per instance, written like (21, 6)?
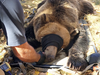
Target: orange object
(95, 68)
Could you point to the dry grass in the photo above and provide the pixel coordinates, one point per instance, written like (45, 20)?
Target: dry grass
(97, 2)
(28, 6)
(94, 21)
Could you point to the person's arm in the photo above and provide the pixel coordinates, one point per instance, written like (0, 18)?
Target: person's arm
(26, 53)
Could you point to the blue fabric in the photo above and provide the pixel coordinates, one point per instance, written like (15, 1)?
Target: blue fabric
(12, 21)
(93, 58)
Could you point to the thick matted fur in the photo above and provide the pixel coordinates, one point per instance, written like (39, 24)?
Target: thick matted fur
(60, 17)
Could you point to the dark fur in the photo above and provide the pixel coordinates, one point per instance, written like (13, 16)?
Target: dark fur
(77, 53)
(61, 17)
(31, 37)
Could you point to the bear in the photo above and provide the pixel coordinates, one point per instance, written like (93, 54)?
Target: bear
(55, 26)
(78, 51)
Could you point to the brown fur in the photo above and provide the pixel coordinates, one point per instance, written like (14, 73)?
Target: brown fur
(64, 15)
(77, 53)
(60, 17)
(55, 29)
(49, 21)
(50, 52)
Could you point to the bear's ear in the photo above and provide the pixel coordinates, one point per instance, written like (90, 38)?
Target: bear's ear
(43, 19)
(39, 20)
(40, 4)
(86, 7)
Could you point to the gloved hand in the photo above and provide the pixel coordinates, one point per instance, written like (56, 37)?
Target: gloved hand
(42, 58)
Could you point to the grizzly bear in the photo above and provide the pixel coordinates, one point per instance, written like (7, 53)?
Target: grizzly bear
(55, 25)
